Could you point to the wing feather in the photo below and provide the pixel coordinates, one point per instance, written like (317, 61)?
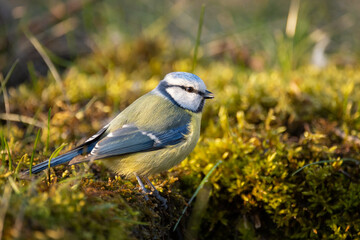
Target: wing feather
(131, 139)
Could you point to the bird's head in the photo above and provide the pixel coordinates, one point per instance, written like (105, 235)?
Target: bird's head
(184, 89)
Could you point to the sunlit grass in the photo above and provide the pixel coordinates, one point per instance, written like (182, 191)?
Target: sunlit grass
(33, 152)
(272, 123)
(264, 126)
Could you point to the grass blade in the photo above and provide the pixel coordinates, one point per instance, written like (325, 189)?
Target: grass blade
(48, 132)
(197, 191)
(33, 152)
(9, 154)
(201, 21)
(292, 18)
(2, 149)
(8, 75)
(19, 164)
(325, 161)
(4, 207)
(56, 153)
(37, 45)
(3, 89)
(13, 185)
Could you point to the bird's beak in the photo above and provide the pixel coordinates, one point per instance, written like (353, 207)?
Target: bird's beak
(208, 95)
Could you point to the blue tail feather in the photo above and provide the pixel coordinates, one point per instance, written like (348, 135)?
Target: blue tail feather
(67, 157)
(84, 148)
(56, 161)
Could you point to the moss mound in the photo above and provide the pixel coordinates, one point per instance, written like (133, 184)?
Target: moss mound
(264, 126)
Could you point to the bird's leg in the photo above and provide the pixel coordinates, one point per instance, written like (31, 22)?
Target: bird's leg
(156, 193)
(145, 191)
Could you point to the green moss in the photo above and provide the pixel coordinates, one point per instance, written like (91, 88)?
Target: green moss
(261, 149)
(263, 126)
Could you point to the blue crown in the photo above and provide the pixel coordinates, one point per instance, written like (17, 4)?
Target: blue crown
(184, 75)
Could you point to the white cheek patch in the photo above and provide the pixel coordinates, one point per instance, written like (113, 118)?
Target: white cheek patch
(190, 101)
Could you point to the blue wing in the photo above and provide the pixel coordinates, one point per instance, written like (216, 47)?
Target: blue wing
(126, 140)
(131, 139)
(84, 148)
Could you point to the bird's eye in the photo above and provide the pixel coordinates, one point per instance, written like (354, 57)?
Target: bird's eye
(189, 89)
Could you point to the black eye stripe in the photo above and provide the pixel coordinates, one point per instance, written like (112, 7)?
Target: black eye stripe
(185, 88)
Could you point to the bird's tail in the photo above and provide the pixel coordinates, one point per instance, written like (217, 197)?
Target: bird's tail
(54, 162)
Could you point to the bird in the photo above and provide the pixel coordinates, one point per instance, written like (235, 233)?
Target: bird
(153, 134)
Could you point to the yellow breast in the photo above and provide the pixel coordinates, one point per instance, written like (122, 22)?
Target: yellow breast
(152, 162)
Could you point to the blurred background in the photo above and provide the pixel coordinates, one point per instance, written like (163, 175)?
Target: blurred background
(256, 35)
(285, 77)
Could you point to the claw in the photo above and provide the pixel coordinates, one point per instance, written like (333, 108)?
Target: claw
(156, 193)
(153, 191)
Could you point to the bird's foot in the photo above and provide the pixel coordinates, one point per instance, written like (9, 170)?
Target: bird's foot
(160, 198)
(153, 191)
(156, 194)
(145, 191)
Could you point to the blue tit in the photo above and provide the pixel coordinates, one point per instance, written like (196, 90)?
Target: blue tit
(153, 134)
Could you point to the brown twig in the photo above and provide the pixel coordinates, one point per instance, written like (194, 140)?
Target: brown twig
(20, 118)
